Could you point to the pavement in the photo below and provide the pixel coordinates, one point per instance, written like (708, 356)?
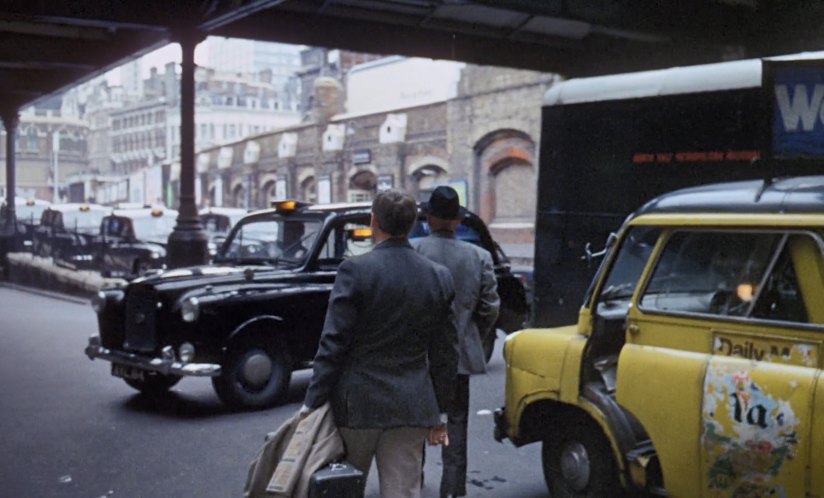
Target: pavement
(33, 272)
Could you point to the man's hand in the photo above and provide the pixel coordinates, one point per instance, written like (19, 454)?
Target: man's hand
(304, 411)
(438, 435)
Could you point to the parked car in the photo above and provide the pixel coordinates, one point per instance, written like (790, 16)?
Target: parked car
(133, 241)
(217, 221)
(525, 274)
(27, 213)
(70, 229)
(252, 317)
(694, 368)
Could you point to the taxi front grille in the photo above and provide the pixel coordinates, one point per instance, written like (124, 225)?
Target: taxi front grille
(141, 323)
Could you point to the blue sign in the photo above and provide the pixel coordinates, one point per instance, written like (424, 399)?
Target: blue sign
(798, 120)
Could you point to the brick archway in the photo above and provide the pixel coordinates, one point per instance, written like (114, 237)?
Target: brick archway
(494, 153)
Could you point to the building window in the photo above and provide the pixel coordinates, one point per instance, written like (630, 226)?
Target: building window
(425, 179)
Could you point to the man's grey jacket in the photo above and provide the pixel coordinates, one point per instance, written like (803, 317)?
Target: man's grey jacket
(476, 293)
(388, 351)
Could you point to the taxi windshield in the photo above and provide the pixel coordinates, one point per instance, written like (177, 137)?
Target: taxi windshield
(154, 228)
(271, 240)
(83, 220)
(29, 214)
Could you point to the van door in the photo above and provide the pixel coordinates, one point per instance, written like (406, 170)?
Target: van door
(723, 358)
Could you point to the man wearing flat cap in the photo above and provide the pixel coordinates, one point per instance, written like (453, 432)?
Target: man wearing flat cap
(476, 310)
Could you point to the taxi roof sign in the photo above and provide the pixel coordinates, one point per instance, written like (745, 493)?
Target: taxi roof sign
(288, 205)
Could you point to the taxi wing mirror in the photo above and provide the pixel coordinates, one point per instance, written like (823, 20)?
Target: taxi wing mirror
(590, 256)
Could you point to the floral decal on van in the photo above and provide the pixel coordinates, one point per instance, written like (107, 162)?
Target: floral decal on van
(748, 435)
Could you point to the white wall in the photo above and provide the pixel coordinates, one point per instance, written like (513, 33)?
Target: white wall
(400, 82)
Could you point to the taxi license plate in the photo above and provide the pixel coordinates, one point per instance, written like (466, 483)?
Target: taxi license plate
(127, 372)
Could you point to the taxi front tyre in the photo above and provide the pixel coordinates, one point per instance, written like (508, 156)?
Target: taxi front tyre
(254, 375)
(578, 463)
(153, 384)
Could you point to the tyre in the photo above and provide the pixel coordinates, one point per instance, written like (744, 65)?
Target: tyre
(153, 384)
(578, 462)
(254, 374)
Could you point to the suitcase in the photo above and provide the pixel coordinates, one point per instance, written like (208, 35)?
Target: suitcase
(337, 480)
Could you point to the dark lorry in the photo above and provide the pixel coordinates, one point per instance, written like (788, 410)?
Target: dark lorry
(610, 143)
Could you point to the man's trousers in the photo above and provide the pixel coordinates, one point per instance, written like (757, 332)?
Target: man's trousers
(453, 480)
(398, 454)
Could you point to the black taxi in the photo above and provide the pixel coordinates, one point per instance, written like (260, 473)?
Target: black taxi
(66, 233)
(218, 221)
(133, 241)
(27, 214)
(254, 315)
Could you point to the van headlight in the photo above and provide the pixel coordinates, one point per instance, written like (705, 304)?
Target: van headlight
(190, 309)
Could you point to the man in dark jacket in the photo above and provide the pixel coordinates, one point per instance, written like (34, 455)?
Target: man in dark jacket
(387, 358)
(476, 310)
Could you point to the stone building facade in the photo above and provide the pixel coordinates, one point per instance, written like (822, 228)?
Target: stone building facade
(484, 142)
(50, 144)
(494, 132)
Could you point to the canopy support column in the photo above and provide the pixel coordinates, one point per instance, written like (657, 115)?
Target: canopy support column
(188, 242)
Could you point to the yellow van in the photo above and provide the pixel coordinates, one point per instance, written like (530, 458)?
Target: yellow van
(694, 369)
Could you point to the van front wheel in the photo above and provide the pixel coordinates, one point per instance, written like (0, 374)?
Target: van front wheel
(578, 463)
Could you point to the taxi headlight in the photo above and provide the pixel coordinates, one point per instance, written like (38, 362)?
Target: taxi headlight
(155, 255)
(190, 309)
(186, 352)
(98, 302)
(509, 340)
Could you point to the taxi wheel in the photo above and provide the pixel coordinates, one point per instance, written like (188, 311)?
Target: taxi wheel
(254, 374)
(578, 463)
(153, 385)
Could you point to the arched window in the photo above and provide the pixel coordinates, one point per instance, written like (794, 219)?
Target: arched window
(239, 197)
(362, 187)
(514, 186)
(268, 193)
(425, 179)
(309, 190)
(508, 177)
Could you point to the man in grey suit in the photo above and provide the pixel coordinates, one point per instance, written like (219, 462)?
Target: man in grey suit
(476, 309)
(388, 357)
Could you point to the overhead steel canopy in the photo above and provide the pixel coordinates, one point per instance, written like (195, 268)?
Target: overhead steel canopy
(48, 45)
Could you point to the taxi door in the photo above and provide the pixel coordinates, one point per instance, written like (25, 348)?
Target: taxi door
(722, 360)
